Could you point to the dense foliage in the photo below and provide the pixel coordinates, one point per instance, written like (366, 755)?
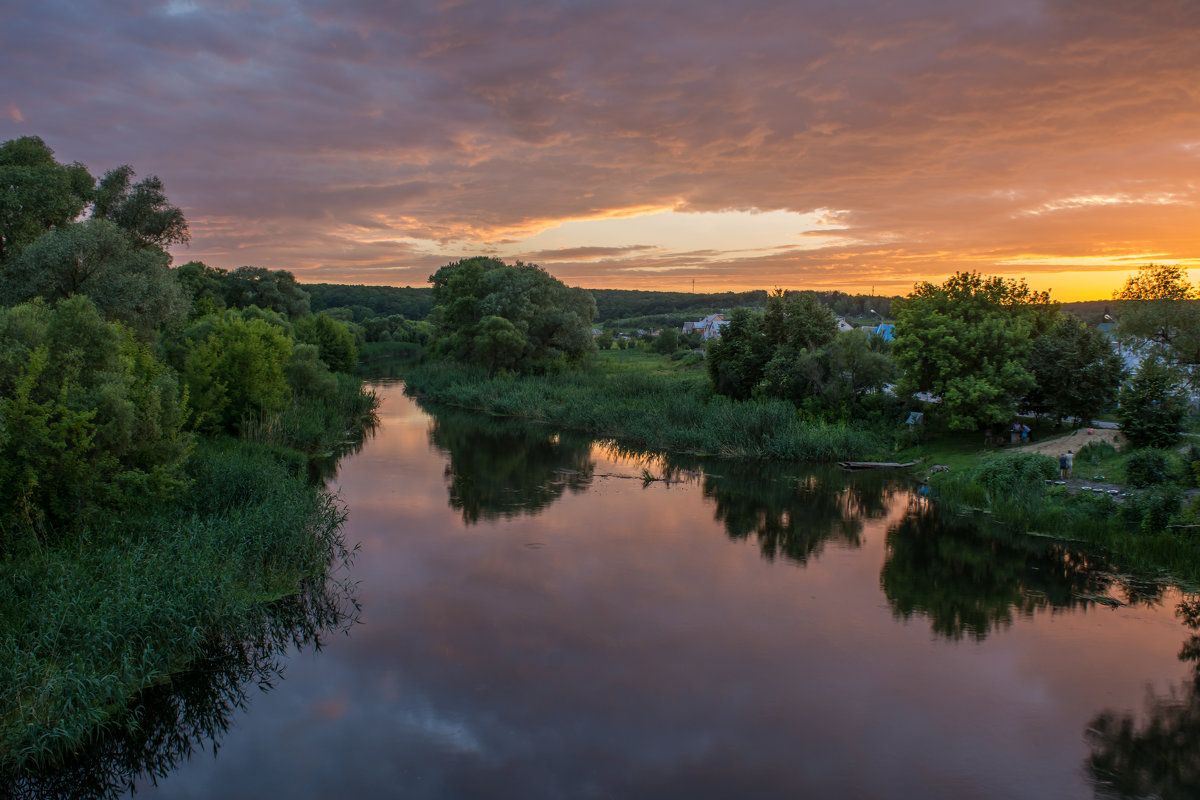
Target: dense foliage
(1153, 405)
(366, 302)
(134, 526)
(504, 317)
(966, 342)
(793, 350)
(1076, 373)
(1160, 305)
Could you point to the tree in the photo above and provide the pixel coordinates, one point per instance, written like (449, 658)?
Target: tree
(37, 193)
(667, 342)
(237, 370)
(736, 360)
(797, 320)
(89, 419)
(204, 284)
(1076, 372)
(333, 339)
(551, 322)
(1153, 405)
(97, 259)
(259, 286)
(1159, 304)
(966, 341)
(141, 209)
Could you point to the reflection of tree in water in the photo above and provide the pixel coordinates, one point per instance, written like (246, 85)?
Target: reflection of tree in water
(1160, 757)
(502, 468)
(792, 515)
(168, 722)
(324, 470)
(969, 581)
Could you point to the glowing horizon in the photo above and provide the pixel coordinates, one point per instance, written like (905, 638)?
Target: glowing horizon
(626, 145)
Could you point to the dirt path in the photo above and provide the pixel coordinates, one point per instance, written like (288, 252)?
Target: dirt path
(1073, 442)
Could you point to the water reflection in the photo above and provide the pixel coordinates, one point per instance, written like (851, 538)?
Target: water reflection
(324, 470)
(1157, 754)
(170, 721)
(502, 468)
(793, 515)
(970, 580)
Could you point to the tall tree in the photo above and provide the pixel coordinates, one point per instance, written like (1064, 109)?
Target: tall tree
(1153, 405)
(97, 259)
(36, 193)
(141, 208)
(1076, 372)
(966, 341)
(259, 286)
(550, 321)
(1161, 305)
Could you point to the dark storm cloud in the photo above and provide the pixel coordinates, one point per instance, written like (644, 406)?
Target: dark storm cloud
(944, 133)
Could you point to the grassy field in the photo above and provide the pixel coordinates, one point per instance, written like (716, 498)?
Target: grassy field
(646, 400)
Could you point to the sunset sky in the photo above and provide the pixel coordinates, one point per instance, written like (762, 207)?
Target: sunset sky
(853, 145)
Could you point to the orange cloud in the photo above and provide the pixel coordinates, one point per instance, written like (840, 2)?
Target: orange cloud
(369, 145)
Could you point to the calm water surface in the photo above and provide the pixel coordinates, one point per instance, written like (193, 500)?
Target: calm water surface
(538, 621)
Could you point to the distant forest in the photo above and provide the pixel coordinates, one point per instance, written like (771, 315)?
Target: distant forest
(612, 305)
(629, 306)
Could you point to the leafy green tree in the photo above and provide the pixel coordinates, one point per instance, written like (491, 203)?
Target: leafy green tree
(966, 341)
(857, 367)
(797, 320)
(1153, 405)
(333, 339)
(1159, 304)
(89, 419)
(204, 284)
(259, 286)
(37, 193)
(551, 322)
(141, 209)
(1076, 372)
(497, 344)
(238, 370)
(97, 259)
(737, 359)
(667, 342)
(308, 375)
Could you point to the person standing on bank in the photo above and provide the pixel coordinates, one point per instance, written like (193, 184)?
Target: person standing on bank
(1065, 462)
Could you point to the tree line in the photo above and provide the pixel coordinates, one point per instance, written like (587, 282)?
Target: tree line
(112, 361)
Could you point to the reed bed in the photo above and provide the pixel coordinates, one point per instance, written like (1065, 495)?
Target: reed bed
(87, 625)
(665, 410)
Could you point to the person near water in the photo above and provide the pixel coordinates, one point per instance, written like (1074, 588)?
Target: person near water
(1065, 462)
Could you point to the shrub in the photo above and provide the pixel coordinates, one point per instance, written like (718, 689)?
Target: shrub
(1148, 467)
(1096, 451)
(1152, 510)
(1015, 472)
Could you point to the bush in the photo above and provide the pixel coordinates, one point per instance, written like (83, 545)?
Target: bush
(1148, 467)
(1152, 510)
(1096, 451)
(1153, 406)
(1015, 472)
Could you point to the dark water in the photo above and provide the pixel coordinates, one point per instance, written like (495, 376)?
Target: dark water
(540, 621)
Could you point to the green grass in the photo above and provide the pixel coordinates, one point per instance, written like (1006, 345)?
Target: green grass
(646, 400)
(86, 625)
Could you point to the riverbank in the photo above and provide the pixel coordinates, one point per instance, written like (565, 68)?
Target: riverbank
(644, 400)
(106, 611)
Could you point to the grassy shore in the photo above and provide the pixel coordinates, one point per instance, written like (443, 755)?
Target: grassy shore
(107, 611)
(645, 400)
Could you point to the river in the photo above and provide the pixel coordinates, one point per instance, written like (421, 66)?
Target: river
(543, 616)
